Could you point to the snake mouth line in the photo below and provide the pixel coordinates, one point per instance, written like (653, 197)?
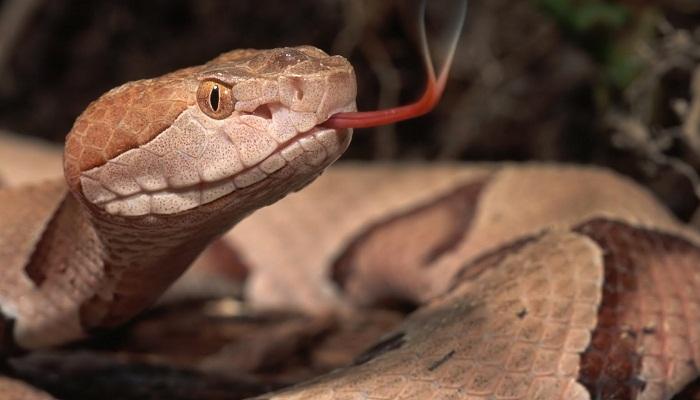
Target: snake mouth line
(311, 149)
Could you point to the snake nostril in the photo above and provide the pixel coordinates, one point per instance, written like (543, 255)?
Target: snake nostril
(297, 84)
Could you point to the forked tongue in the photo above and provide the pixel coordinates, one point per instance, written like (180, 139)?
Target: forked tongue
(433, 90)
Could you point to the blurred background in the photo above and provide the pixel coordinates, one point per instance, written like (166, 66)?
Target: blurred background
(606, 82)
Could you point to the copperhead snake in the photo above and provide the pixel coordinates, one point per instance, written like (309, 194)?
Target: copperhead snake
(534, 281)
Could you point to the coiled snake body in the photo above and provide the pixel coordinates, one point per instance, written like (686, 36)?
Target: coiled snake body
(536, 282)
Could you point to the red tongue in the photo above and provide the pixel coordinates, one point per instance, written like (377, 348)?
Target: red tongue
(431, 96)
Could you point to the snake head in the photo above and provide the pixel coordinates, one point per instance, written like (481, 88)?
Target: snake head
(241, 131)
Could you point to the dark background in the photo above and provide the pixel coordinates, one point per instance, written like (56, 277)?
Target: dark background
(585, 81)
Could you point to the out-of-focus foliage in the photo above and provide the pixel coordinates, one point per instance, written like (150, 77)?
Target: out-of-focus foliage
(581, 18)
(605, 29)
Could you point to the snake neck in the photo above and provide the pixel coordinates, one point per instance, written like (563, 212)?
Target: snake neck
(140, 259)
(88, 271)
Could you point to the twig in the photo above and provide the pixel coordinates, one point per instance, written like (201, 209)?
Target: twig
(691, 124)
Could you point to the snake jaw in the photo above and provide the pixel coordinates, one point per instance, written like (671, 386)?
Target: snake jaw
(188, 167)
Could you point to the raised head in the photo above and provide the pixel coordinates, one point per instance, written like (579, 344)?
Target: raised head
(244, 125)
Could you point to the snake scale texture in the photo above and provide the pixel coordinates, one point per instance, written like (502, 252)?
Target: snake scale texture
(531, 281)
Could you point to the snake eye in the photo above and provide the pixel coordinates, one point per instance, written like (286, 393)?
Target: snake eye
(215, 99)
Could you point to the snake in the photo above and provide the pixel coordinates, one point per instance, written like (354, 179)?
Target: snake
(531, 281)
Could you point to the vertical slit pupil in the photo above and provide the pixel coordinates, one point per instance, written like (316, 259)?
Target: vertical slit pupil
(214, 98)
